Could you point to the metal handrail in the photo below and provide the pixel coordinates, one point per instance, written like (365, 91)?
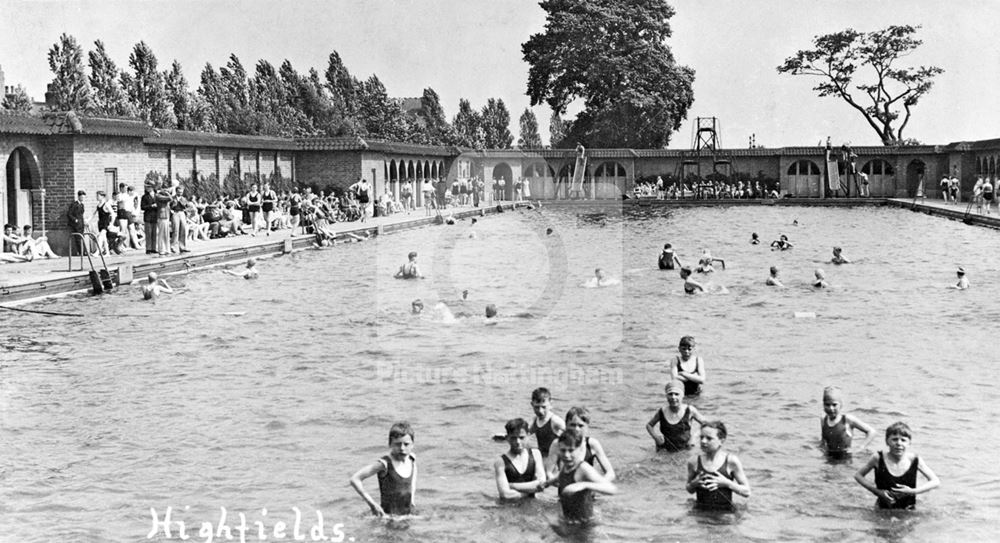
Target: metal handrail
(85, 249)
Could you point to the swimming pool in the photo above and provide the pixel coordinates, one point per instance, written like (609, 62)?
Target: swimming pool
(177, 404)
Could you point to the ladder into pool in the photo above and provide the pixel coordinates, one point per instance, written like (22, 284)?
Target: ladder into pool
(100, 280)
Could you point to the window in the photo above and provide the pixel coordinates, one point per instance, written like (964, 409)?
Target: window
(803, 167)
(878, 167)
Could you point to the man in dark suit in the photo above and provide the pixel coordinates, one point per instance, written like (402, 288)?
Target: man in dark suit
(76, 223)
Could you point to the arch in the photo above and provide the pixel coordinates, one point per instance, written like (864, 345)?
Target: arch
(610, 180)
(993, 166)
(427, 169)
(505, 172)
(916, 178)
(435, 173)
(804, 179)
(393, 171)
(23, 176)
(881, 177)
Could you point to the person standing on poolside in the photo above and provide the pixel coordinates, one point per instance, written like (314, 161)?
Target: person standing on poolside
(268, 199)
(254, 200)
(945, 187)
(987, 193)
(178, 208)
(148, 206)
(163, 198)
(364, 191)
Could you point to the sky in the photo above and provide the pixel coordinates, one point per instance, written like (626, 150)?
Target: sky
(472, 49)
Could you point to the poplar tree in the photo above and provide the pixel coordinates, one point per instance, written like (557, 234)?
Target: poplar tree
(178, 96)
(70, 88)
(496, 125)
(380, 116)
(529, 139)
(109, 97)
(557, 131)
(468, 126)
(147, 90)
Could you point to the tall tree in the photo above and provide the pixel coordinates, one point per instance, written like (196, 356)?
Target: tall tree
(344, 88)
(17, 100)
(108, 96)
(888, 93)
(234, 91)
(436, 127)
(274, 108)
(529, 138)
(557, 131)
(380, 116)
(613, 56)
(70, 88)
(468, 126)
(496, 125)
(147, 90)
(178, 96)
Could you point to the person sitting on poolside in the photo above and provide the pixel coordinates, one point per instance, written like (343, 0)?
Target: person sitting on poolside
(773, 280)
(690, 285)
(40, 245)
(820, 281)
(781, 243)
(963, 281)
(838, 258)
(154, 286)
(14, 247)
(410, 269)
(249, 273)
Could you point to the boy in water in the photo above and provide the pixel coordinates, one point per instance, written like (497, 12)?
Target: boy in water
(397, 475)
(410, 269)
(547, 426)
(773, 280)
(897, 491)
(963, 281)
(520, 472)
(714, 474)
(690, 285)
(837, 428)
(154, 286)
(838, 258)
(249, 273)
(820, 281)
(577, 480)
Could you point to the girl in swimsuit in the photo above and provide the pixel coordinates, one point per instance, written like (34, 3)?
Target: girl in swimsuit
(897, 491)
(837, 428)
(714, 474)
(674, 420)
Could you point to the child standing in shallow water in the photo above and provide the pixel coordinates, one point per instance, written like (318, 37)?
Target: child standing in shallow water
(837, 428)
(896, 470)
(397, 475)
(577, 480)
(674, 420)
(688, 368)
(714, 474)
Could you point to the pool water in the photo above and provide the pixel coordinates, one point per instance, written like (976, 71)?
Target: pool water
(145, 406)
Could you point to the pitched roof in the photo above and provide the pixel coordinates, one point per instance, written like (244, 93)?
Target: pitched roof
(16, 122)
(164, 136)
(355, 143)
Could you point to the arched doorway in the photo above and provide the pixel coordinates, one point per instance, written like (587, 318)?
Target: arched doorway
(916, 175)
(23, 179)
(503, 171)
(881, 177)
(609, 180)
(804, 179)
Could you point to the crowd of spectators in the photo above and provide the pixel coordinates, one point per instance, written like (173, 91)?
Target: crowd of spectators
(704, 189)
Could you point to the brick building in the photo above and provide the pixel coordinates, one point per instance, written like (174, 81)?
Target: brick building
(50, 156)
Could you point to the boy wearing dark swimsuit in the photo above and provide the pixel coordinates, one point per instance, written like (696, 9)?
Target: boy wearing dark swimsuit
(397, 475)
(520, 472)
(896, 470)
(714, 474)
(546, 426)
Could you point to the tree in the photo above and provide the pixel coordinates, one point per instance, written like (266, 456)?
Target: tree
(108, 96)
(468, 126)
(557, 131)
(496, 125)
(891, 92)
(146, 89)
(611, 55)
(70, 88)
(380, 116)
(344, 88)
(436, 129)
(529, 138)
(17, 100)
(178, 97)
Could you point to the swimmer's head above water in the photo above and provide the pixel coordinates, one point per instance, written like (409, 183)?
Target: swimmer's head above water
(417, 306)
(599, 273)
(685, 272)
(412, 255)
(549, 231)
(491, 311)
(960, 271)
(151, 278)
